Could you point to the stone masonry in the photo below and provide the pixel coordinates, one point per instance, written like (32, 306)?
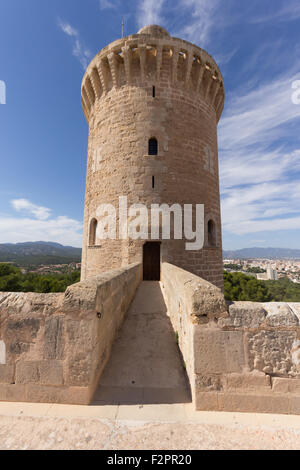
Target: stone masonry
(239, 356)
(151, 85)
(54, 347)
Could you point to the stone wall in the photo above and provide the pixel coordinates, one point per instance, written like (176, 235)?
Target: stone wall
(242, 356)
(54, 347)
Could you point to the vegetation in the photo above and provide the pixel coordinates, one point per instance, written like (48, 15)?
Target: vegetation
(13, 280)
(37, 260)
(234, 267)
(256, 269)
(239, 286)
(238, 267)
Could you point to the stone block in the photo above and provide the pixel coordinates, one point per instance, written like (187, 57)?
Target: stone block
(7, 373)
(21, 329)
(80, 372)
(254, 403)
(82, 333)
(51, 372)
(295, 405)
(252, 381)
(54, 342)
(217, 351)
(280, 314)
(244, 315)
(205, 401)
(27, 372)
(286, 385)
(50, 394)
(13, 392)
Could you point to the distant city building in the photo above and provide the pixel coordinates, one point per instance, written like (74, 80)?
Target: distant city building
(270, 275)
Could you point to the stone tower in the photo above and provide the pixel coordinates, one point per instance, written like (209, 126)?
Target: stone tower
(153, 103)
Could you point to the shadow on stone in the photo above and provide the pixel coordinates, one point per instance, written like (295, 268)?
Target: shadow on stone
(145, 366)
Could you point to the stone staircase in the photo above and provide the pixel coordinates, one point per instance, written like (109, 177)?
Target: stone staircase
(145, 366)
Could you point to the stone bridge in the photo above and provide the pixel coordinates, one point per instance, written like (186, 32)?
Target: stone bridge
(115, 339)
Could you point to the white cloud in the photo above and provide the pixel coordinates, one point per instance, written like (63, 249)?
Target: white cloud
(79, 50)
(150, 12)
(259, 116)
(67, 29)
(23, 205)
(202, 20)
(108, 4)
(258, 150)
(39, 227)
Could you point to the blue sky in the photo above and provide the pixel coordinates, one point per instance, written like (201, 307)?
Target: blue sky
(44, 49)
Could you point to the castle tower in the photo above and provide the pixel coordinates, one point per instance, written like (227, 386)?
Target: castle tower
(153, 103)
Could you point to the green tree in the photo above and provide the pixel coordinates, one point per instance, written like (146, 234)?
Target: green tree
(13, 280)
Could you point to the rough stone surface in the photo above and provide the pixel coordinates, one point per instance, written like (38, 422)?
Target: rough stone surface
(244, 315)
(270, 351)
(280, 314)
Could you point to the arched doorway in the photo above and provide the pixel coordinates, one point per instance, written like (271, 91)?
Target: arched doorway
(151, 261)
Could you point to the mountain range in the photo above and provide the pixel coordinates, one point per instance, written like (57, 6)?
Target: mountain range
(268, 253)
(35, 253)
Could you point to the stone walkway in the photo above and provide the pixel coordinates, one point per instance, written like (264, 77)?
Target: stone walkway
(145, 364)
(142, 402)
(138, 427)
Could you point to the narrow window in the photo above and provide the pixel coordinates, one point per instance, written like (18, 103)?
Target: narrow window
(153, 146)
(153, 91)
(92, 234)
(153, 182)
(211, 233)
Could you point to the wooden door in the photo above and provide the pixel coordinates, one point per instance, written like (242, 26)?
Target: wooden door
(151, 261)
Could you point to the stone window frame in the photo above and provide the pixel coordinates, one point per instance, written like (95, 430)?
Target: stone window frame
(153, 141)
(207, 244)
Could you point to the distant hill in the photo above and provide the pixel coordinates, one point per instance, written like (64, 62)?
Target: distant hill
(269, 253)
(36, 253)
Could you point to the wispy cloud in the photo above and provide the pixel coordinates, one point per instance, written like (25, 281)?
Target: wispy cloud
(202, 20)
(108, 4)
(289, 11)
(258, 150)
(260, 116)
(38, 224)
(150, 12)
(78, 49)
(223, 58)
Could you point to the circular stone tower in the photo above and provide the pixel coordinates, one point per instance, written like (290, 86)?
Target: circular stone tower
(153, 103)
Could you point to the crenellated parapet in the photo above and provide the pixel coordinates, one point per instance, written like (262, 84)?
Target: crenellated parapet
(147, 58)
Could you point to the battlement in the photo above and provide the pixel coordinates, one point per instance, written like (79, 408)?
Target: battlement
(151, 57)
